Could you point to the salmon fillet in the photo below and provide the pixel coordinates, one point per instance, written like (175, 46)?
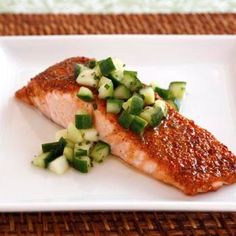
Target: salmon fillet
(178, 152)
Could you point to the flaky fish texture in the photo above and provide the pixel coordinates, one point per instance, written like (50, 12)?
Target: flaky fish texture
(178, 152)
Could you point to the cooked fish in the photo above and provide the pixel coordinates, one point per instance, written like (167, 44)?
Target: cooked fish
(178, 152)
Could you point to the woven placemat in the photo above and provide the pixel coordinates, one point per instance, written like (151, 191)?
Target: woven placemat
(117, 223)
(19, 24)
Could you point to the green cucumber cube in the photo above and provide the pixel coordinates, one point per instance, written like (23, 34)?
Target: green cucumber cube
(125, 119)
(100, 151)
(85, 94)
(148, 94)
(114, 105)
(46, 147)
(82, 164)
(163, 93)
(161, 104)
(81, 152)
(39, 160)
(106, 66)
(106, 88)
(87, 77)
(117, 74)
(136, 105)
(131, 81)
(68, 153)
(90, 135)
(74, 134)
(138, 125)
(77, 70)
(122, 92)
(59, 165)
(83, 146)
(177, 90)
(83, 121)
(91, 64)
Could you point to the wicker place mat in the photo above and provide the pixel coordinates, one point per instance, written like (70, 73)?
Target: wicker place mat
(11, 24)
(117, 223)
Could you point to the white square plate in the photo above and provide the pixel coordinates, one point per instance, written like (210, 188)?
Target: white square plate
(207, 63)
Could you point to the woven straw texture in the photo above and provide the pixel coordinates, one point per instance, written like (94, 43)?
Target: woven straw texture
(117, 223)
(11, 24)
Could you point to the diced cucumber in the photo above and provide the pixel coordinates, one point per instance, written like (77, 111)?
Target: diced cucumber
(77, 70)
(130, 73)
(114, 105)
(175, 104)
(161, 104)
(83, 121)
(131, 81)
(126, 104)
(114, 80)
(91, 64)
(106, 66)
(74, 134)
(125, 119)
(68, 153)
(129, 78)
(82, 164)
(134, 105)
(138, 125)
(87, 77)
(69, 143)
(90, 134)
(163, 93)
(85, 94)
(83, 146)
(157, 117)
(103, 80)
(55, 152)
(80, 152)
(148, 94)
(117, 74)
(122, 92)
(39, 160)
(97, 70)
(47, 147)
(61, 133)
(152, 115)
(59, 165)
(106, 89)
(147, 113)
(100, 151)
(177, 89)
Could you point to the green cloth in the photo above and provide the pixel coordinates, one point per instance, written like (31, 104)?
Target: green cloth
(116, 6)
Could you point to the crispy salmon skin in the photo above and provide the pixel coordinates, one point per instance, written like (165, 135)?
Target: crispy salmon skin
(178, 152)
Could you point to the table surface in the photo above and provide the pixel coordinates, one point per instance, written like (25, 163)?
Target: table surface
(117, 6)
(117, 223)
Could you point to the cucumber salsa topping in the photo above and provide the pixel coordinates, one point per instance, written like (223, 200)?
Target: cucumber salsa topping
(174, 94)
(134, 103)
(77, 146)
